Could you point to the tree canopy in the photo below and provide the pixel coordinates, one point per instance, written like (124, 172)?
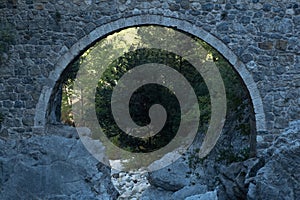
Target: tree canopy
(151, 94)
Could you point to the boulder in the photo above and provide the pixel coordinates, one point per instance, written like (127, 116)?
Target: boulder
(236, 177)
(154, 193)
(52, 167)
(275, 175)
(206, 196)
(280, 177)
(172, 178)
(189, 191)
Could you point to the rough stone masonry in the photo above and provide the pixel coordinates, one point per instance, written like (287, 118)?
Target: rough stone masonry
(39, 38)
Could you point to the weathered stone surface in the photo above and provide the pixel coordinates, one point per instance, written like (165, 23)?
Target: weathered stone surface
(154, 193)
(236, 177)
(207, 196)
(188, 191)
(193, 173)
(281, 45)
(208, 7)
(266, 45)
(280, 177)
(275, 174)
(52, 167)
(172, 178)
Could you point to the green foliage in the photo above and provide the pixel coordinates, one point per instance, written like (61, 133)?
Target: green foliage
(66, 106)
(229, 156)
(194, 159)
(151, 94)
(67, 84)
(244, 128)
(140, 102)
(235, 90)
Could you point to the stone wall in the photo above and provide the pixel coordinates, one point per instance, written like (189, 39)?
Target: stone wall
(260, 38)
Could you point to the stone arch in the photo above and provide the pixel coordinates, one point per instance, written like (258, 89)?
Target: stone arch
(40, 119)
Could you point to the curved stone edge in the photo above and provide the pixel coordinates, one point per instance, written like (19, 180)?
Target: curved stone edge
(147, 19)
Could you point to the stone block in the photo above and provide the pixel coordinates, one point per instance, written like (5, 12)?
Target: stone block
(281, 45)
(268, 45)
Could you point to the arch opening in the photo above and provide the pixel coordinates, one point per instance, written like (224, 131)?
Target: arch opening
(48, 108)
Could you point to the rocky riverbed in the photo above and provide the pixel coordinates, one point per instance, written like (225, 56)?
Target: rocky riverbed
(130, 185)
(56, 167)
(274, 174)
